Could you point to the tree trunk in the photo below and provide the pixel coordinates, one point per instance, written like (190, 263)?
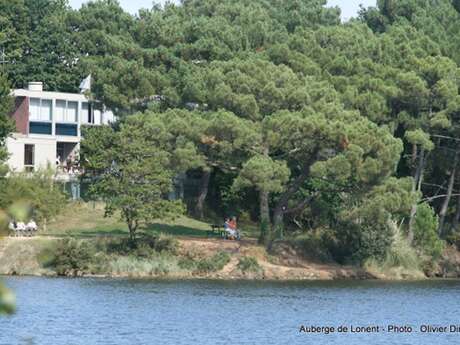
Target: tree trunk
(414, 153)
(204, 187)
(281, 206)
(278, 222)
(445, 204)
(265, 226)
(132, 227)
(457, 215)
(416, 186)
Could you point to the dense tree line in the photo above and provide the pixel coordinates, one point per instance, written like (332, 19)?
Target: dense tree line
(284, 112)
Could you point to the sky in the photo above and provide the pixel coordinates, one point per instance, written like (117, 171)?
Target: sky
(349, 7)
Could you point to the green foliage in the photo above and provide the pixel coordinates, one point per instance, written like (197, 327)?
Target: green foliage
(425, 231)
(37, 196)
(313, 245)
(362, 229)
(165, 243)
(145, 246)
(7, 301)
(418, 137)
(134, 172)
(401, 261)
(212, 264)
(72, 256)
(264, 174)
(249, 264)
(283, 99)
(6, 125)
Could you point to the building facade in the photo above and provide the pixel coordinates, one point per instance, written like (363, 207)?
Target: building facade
(48, 128)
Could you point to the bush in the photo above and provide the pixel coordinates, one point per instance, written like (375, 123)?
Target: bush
(159, 264)
(187, 263)
(72, 256)
(312, 245)
(165, 243)
(36, 196)
(249, 264)
(374, 242)
(214, 263)
(144, 246)
(349, 242)
(425, 231)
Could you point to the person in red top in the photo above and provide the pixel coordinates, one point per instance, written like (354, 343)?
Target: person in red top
(232, 225)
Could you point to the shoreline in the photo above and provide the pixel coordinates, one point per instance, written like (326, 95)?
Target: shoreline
(19, 257)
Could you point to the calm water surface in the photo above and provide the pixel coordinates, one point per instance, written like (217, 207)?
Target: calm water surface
(129, 312)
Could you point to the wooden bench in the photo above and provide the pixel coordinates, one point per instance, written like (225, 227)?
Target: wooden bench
(216, 230)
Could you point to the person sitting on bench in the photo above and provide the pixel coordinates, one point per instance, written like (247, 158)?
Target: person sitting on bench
(231, 228)
(32, 226)
(13, 225)
(228, 230)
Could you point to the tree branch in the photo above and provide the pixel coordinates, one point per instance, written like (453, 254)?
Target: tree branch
(431, 198)
(300, 205)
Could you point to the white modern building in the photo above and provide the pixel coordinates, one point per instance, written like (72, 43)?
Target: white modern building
(48, 127)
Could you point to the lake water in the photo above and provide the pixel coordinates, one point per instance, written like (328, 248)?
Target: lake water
(106, 311)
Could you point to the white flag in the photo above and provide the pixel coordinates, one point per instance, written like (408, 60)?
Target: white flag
(85, 84)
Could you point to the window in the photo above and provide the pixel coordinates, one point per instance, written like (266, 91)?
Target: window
(60, 110)
(34, 109)
(72, 111)
(45, 110)
(86, 113)
(40, 109)
(38, 127)
(66, 111)
(29, 157)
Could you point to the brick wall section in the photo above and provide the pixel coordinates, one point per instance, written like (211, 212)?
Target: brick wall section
(20, 114)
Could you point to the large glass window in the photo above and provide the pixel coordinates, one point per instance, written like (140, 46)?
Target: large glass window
(34, 109)
(40, 109)
(72, 111)
(66, 111)
(29, 157)
(46, 110)
(60, 110)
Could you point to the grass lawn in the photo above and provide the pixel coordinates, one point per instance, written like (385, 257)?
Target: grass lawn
(87, 220)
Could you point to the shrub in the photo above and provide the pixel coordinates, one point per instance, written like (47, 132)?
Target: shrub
(144, 246)
(249, 264)
(187, 264)
(71, 256)
(312, 245)
(158, 264)
(214, 263)
(165, 243)
(402, 254)
(374, 242)
(425, 231)
(356, 243)
(37, 195)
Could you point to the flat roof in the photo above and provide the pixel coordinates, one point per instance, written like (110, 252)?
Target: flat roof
(50, 95)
